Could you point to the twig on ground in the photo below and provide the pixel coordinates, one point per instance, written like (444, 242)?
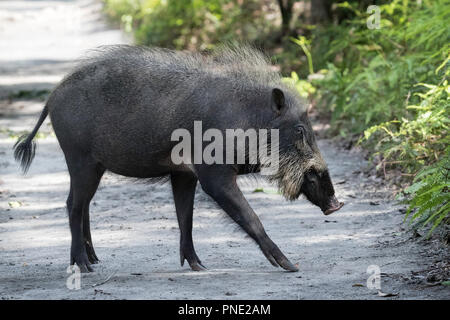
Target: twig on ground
(106, 280)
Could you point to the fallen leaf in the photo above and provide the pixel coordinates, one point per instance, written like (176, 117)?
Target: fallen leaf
(101, 292)
(385, 295)
(105, 281)
(15, 204)
(358, 285)
(267, 191)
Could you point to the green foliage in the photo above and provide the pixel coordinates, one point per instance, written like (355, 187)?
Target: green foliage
(304, 44)
(431, 194)
(193, 24)
(412, 143)
(372, 72)
(304, 87)
(422, 144)
(16, 134)
(29, 94)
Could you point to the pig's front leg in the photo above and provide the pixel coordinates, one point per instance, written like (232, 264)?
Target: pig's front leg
(219, 182)
(183, 188)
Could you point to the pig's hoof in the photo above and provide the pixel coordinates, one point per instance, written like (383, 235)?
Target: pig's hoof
(278, 259)
(93, 258)
(193, 260)
(287, 265)
(91, 253)
(85, 267)
(82, 263)
(197, 266)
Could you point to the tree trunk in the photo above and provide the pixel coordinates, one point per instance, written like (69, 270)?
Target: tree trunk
(286, 15)
(321, 11)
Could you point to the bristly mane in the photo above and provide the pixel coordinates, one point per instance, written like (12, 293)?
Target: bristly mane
(243, 65)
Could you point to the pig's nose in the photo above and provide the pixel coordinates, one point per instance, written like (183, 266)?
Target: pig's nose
(335, 205)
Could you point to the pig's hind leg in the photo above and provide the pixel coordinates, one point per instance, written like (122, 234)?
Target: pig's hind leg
(183, 188)
(86, 229)
(87, 236)
(85, 176)
(219, 182)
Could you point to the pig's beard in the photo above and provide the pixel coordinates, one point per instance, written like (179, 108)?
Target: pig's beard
(291, 171)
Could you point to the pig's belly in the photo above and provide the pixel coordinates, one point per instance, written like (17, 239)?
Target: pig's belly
(133, 159)
(150, 169)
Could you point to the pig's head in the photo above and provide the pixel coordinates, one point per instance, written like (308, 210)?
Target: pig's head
(302, 170)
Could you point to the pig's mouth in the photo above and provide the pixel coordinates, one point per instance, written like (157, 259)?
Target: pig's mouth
(333, 206)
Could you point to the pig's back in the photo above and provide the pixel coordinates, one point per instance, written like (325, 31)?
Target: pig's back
(121, 111)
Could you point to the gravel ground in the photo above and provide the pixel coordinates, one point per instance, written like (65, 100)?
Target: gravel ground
(134, 224)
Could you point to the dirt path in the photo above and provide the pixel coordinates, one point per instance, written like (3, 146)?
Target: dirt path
(134, 224)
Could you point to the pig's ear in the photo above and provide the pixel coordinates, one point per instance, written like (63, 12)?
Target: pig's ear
(278, 100)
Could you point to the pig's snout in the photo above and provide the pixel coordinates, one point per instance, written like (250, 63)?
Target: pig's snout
(334, 205)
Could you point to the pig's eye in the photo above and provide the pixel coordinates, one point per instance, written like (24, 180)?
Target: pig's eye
(311, 177)
(300, 130)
